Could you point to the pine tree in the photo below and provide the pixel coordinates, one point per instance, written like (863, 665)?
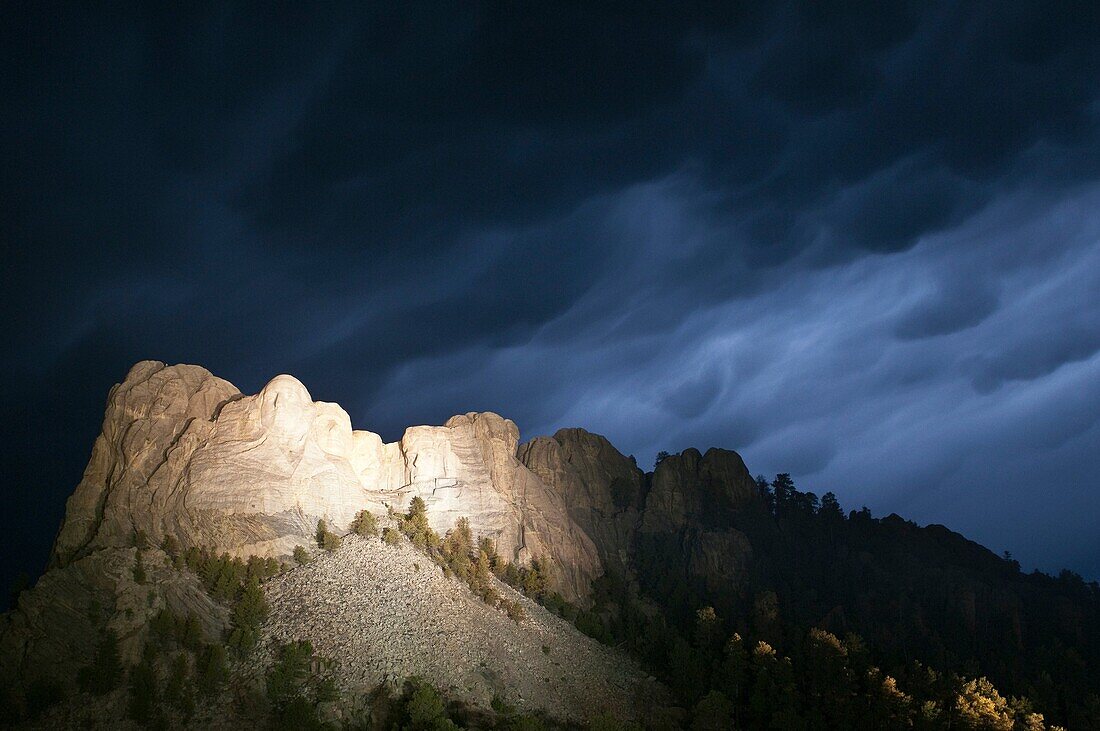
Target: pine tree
(365, 524)
(162, 626)
(765, 492)
(211, 672)
(978, 705)
(170, 545)
(143, 689)
(783, 486)
(139, 568)
(734, 671)
(830, 508)
(326, 539)
(190, 633)
(713, 713)
(828, 677)
(415, 525)
(248, 614)
(177, 688)
(457, 547)
(252, 608)
(105, 672)
(708, 629)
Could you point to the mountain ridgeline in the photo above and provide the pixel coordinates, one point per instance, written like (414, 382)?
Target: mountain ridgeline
(259, 555)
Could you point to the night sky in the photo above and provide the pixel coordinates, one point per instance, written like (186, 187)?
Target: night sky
(858, 243)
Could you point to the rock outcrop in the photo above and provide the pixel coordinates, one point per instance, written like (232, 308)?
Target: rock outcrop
(681, 516)
(693, 504)
(55, 627)
(184, 453)
(604, 490)
(693, 489)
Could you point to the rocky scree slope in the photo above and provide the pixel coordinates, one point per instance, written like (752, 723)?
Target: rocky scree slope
(384, 613)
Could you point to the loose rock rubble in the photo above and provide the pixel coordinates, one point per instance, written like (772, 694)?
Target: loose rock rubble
(384, 613)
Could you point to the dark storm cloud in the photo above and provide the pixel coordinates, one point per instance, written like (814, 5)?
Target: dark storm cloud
(1040, 355)
(857, 241)
(959, 301)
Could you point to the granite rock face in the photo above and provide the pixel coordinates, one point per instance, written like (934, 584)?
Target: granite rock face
(604, 490)
(54, 627)
(692, 505)
(681, 515)
(693, 489)
(184, 453)
(153, 423)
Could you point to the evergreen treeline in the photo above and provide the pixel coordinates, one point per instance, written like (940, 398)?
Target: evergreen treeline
(853, 622)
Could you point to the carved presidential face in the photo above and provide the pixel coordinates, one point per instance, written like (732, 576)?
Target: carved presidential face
(286, 408)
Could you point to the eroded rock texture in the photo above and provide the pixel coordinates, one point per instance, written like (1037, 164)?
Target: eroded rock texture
(604, 490)
(184, 453)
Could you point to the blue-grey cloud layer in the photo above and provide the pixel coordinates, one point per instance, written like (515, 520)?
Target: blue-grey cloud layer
(857, 242)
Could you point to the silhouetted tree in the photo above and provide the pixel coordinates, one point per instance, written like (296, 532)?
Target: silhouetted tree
(766, 493)
(143, 689)
(829, 680)
(765, 614)
(734, 672)
(783, 487)
(708, 630)
(830, 508)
